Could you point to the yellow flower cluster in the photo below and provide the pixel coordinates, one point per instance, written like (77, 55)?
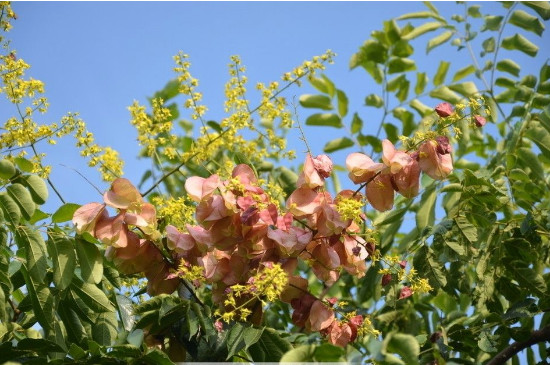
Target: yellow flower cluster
(154, 131)
(176, 211)
(189, 272)
(107, 159)
(367, 328)
(417, 284)
(267, 284)
(309, 68)
(188, 85)
(6, 13)
(350, 208)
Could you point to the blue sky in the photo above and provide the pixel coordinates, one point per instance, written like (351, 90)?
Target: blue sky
(96, 58)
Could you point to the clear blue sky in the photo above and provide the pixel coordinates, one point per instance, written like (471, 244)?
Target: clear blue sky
(96, 58)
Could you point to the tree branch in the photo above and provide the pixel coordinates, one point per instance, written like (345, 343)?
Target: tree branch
(513, 349)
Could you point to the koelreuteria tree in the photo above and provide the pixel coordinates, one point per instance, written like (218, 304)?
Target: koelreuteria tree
(224, 253)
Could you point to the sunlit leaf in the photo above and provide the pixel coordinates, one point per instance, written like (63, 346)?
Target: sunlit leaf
(492, 22)
(406, 346)
(7, 169)
(541, 7)
(446, 94)
(342, 103)
(526, 21)
(422, 29)
(399, 64)
(325, 120)
(64, 213)
(90, 260)
(23, 198)
(439, 40)
(338, 144)
(463, 72)
(356, 124)
(63, 257)
(439, 77)
(421, 82)
(520, 43)
(92, 296)
(315, 101)
(467, 88)
(509, 66)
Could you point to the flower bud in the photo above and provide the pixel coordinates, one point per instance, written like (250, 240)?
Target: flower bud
(480, 121)
(444, 110)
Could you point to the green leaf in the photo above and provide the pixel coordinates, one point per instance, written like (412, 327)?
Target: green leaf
(270, 347)
(338, 144)
(541, 7)
(403, 92)
(235, 340)
(527, 277)
(156, 357)
(439, 77)
(466, 89)
(92, 296)
(526, 21)
(319, 84)
(170, 90)
(420, 107)
(425, 216)
(356, 124)
(61, 251)
(399, 64)
(509, 66)
(463, 72)
(374, 100)
(37, 187)
(326, 120)
(10, 208)
(371, 51)
(65, 213)
(41, 299)
(488, 342)
(105, 329)
(488, 45)
(529, 159)
(466, 229)
(316, 101)
(24, 164)
(520, 43)
(342, 103)
(36, 251)
(421, 82)
(419, 15)
(427, 266)
(406, 118)
(492, 22)
(7, 169)
(473, 11)
(538, 134)
(406, 346)
(75, 330)
(402, 48)
(23, 199)
(90, 260)
(424, 28)
(38, 345)
(126, 311)
(438, 40)
(135, 338)
(446, 94)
